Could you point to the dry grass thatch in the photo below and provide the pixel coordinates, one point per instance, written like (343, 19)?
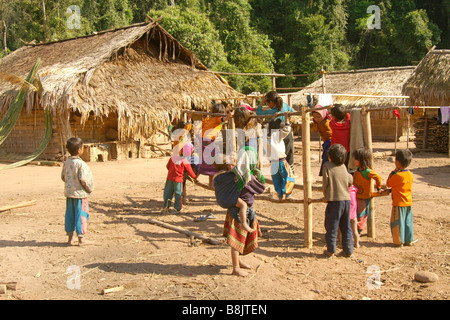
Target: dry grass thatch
(139, 72)
(374, 81)
(429, 85)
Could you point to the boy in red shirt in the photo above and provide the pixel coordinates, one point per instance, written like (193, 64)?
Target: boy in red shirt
(400, 181)
(340, 128)
(177, 165)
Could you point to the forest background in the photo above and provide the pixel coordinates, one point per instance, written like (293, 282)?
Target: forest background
(288, 37)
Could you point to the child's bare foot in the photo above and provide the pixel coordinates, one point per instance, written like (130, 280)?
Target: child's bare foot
(239, 272)
(243, 265)
(84, 242)
(70, 241)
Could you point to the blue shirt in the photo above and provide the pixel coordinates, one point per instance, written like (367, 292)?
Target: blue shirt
(284, 108)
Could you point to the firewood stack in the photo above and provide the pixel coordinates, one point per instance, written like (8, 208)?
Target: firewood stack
(437, 134)
(440, 135)
(419, 131)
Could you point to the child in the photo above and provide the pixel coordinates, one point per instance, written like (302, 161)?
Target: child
(210, 129)
(400, 181)
(79, 184)
(336, 181)
(340, 128)
(235, 190)
(321, 124)
(276, 104)
(179, 133)
(282, 175)
(245, 126)
(363, 180)
(177, 165)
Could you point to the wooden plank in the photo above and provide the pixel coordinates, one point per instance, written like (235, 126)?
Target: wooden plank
(367, 131)
(18, 205)
(185, 231)
(307, 187)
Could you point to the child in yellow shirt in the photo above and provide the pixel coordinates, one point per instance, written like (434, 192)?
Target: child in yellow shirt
(400, 181)
(362, 180)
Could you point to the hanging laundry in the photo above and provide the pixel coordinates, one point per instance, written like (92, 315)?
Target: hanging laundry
(325, 99)
(396, 113)
(444, 114)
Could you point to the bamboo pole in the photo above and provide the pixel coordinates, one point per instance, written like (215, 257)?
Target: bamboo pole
(185, 231)
(307, 189)
(367, 131)
(18, 205)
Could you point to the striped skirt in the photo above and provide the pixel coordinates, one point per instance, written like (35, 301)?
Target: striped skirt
(362, 212)
(239, 239)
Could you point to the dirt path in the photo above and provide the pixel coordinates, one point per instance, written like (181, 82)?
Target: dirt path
(151, 262)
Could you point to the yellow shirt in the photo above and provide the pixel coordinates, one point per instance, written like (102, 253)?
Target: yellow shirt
(401, 186)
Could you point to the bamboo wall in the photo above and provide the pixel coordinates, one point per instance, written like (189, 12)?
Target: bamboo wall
(26, 136)
(99, 135)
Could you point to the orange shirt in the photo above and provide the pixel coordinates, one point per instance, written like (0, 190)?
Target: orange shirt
(188, 128)
(362, 181)
(211, 127)
(401, 186)
(324, 129)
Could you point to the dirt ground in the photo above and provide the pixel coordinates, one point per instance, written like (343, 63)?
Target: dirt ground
(151, 262)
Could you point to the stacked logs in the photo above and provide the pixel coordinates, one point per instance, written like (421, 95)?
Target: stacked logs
(431, 135)
(440, 143)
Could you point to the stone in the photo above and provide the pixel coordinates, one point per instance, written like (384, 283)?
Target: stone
(425, 276)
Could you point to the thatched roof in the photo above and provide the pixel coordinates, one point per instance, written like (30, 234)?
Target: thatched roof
(140, 72)
(429, 85)
(374, 81)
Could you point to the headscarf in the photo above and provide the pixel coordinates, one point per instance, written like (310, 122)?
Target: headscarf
(324, 112)
(246, 166)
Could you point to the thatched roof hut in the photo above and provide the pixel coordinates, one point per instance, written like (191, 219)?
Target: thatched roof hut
(372, 82)
(139, 76)
(429, 85)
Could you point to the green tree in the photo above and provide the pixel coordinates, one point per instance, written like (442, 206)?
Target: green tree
(194, 31)
(247, 50)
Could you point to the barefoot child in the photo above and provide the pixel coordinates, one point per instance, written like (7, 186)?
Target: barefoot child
(321, 124)
(363, 179)
(400, 181)
(78, 185)
(177, 166)
(336, 183)
(235, 190)
(282, 174)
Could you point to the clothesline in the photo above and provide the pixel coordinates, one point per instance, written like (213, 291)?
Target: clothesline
(356, 95)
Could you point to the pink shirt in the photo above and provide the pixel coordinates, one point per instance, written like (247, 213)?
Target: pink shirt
(353, 190)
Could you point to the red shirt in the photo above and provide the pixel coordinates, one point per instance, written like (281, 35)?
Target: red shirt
(176, 171)
(341, 132)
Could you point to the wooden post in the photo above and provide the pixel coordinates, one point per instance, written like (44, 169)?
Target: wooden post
(367, 131)
(274, 82)
(184, 191)
(306, 165)
(425, 131)
(407, 133)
